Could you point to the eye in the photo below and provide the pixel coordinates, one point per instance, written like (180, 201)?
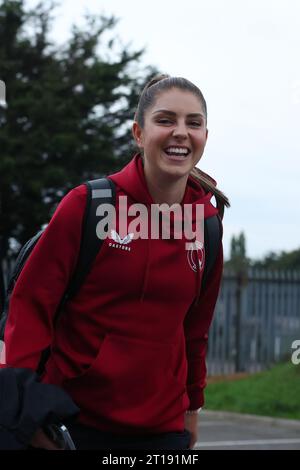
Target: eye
(164, 121)
(195, 123)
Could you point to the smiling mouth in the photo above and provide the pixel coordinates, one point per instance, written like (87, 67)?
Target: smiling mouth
(177, 153)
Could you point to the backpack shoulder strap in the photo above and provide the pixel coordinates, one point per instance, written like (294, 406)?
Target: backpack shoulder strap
(100, 191)
(213, 232)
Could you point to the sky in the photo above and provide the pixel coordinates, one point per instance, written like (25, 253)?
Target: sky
(244, 56)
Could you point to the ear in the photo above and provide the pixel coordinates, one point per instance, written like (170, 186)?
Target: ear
(137, 133)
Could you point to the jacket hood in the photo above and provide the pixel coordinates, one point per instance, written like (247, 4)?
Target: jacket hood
(131, 180)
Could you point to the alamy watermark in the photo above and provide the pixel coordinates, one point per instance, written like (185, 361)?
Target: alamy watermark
(157, 221)
(296, 354)
(2, 94)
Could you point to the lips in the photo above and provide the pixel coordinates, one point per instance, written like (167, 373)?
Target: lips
(177, 151)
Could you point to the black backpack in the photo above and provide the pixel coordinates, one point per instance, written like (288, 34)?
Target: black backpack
(100, 191)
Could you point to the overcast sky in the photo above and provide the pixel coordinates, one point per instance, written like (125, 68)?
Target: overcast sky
(244, 56)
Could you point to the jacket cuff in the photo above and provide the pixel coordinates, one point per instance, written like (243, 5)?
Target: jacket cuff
(196, 397)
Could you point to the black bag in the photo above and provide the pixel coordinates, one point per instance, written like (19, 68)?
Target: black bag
(27, 404)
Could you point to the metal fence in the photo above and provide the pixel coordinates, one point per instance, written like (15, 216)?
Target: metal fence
(257, 318)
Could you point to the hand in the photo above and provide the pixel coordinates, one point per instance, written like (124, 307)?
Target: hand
(41, 441)
(191, 424)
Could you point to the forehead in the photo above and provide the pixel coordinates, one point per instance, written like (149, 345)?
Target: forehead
(179, 101)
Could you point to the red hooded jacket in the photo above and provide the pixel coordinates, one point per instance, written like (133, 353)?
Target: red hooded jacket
(130, 347)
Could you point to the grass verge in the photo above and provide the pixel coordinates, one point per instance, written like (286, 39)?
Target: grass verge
(275, 392)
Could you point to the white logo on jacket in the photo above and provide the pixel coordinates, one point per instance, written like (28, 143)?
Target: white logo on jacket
(121, 242)
(196, 256)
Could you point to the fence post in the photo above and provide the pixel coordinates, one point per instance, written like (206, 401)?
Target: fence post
(242, 280)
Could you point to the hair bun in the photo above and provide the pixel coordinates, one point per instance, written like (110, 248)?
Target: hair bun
(157, 78)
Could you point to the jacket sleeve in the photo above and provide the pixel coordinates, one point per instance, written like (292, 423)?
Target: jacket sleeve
(196, 326)
(42, 283)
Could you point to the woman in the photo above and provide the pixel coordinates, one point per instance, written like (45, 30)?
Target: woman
(130, 347)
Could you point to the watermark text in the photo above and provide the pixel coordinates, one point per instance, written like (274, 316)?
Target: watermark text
(296, 354)
(159, 221)
(2, 94)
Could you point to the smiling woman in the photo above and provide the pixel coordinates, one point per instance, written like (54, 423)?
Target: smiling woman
(129, 348)
(170, 128)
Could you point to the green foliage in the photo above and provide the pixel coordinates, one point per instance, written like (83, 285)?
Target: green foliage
(68, 112)
(238, 259)
(283, 260)
(255, 394)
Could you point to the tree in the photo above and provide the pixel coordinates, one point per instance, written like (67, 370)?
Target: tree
(282, 260)
(238, 258)
(239, 261)
(67, 116)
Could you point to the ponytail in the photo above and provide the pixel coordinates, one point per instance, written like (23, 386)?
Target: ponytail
(208, 184)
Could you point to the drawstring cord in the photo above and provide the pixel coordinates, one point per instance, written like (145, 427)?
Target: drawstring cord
(198, 277)
(146, 275)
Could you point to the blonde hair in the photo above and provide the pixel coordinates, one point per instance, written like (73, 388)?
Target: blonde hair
(158, 84)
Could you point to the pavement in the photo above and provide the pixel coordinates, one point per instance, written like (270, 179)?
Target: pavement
(233, 431)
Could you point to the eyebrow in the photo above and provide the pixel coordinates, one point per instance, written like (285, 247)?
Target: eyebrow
(166, 111)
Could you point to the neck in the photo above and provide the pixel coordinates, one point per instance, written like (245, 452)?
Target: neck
(165, 190)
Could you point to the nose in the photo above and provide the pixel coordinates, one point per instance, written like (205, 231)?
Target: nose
(180, 130)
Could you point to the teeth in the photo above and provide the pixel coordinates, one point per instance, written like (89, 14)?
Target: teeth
(176, 150)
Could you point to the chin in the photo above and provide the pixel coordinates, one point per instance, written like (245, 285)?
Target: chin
(177, 172)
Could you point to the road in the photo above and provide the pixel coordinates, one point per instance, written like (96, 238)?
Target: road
(232, 431)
